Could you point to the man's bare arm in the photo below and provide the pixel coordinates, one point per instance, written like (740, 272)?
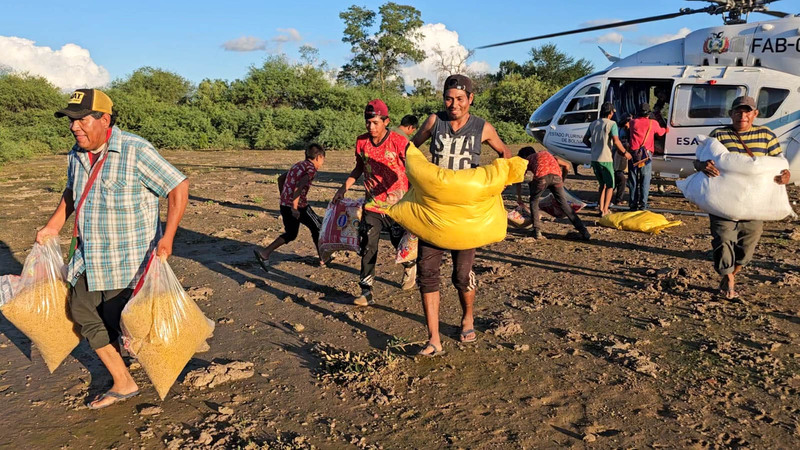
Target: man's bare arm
(424, 133)
(491, 137)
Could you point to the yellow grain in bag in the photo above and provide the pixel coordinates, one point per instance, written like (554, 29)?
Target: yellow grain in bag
(456, 209)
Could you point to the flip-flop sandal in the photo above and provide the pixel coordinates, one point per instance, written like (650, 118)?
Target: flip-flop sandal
(116, 396)
(432, 354)
(465, 333)
(261, 261)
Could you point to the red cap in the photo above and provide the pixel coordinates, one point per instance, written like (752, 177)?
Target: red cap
(376, 108)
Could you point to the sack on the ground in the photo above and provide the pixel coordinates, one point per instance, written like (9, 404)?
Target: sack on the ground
(407, 248)
(163, 327)
(745, 188)
(520, 217)
(644, 221)
(456, 210)
(340, 227)
(548, 204)
(37, 302)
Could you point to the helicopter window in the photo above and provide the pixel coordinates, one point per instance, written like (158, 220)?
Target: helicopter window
(712, 101)
(592, 89)
(770, 100)
(582, 108)
(583, 104)
(544, 114)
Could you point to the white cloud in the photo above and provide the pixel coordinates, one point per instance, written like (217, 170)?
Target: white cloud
(653, 40)
(252, 43)
(70, 67)
(608, 38)
(442, 48)
(289, 34)
(245, 44)
(597, 22)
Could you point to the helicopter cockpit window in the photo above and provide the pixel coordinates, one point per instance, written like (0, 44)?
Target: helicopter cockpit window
(544, 114)
(770, 100)
(583, 107)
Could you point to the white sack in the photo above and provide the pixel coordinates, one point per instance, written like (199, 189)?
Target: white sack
(745, 188)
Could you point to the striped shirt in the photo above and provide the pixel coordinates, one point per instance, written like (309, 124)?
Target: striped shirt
(760, 140)
(118, 223)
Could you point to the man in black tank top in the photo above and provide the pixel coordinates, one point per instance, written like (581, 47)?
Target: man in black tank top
(456, 138)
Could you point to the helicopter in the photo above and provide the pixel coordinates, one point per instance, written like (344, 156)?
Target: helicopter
(691, 82)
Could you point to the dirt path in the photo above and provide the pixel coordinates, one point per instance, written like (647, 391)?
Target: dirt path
(618, 342)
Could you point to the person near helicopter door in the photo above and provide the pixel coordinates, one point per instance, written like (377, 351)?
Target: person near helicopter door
(643, 129)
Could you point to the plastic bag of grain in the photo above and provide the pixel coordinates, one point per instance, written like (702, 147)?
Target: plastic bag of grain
(340, 227)
(37, 302)
(163, 327)
(407, 248)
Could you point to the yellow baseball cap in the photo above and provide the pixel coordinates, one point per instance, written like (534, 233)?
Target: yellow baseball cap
(83, 102)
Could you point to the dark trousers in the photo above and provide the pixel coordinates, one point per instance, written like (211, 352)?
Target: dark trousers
(370, 229)
(291, 225)
(556, 186)
(733, 242)
(429, 261)
(98, 312)
(620, 179)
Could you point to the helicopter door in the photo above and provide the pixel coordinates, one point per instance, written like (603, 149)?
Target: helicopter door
(582, 109)
(708, 106)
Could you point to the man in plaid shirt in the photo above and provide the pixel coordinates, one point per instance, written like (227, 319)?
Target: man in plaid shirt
(115, 180)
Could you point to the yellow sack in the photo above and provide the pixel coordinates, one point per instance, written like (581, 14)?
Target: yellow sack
(645, 221)
(456, 209)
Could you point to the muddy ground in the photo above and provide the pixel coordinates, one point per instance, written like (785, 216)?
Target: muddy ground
(618, 342)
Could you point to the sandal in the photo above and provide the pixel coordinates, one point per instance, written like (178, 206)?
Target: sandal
(115, 395)
(464, 339)
(261, 261)
(434, 353)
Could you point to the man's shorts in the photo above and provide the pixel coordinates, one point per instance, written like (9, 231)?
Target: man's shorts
(604, 172)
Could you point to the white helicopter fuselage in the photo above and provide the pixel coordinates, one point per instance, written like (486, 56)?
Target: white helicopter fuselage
(703, 73)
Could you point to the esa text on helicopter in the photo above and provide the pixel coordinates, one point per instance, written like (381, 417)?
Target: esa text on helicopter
(693, 80)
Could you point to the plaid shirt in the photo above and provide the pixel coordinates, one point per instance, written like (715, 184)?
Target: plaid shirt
(119, 221)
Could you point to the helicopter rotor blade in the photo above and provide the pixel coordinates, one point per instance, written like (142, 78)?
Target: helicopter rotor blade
(682, 12)
(774, 13)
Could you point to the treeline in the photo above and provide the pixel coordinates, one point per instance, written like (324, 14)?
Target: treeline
(279, 105)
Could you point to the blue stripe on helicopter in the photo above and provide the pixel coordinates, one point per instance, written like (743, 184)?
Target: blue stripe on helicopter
(777, 122)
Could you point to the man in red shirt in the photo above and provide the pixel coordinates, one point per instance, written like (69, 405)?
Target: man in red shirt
(381, 158)
(642, 129)
(547, 172)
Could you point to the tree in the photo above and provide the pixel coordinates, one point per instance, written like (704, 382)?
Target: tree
(549, 65)
(164, 86)
(423, 88)
(377, 58)
(451, 61)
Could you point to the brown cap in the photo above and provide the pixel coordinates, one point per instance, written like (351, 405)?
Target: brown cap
(460, 82)
(744, 101)
(376, 108)
(83, 102)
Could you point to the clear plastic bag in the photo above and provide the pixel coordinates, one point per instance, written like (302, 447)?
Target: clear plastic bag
(407, 248)
(340, 227)
(163, 327)
(37, 303)
(520, 217)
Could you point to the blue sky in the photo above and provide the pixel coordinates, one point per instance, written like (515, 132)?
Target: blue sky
(187, 37)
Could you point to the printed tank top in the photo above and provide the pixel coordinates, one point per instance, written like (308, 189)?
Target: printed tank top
(456, 149)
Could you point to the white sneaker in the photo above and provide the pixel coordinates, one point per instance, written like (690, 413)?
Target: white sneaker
(409, 278)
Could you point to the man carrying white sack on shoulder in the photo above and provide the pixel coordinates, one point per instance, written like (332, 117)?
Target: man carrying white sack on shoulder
(734, 241)
(114, 181)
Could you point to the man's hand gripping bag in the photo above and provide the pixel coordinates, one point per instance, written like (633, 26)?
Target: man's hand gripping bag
(456, 210)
